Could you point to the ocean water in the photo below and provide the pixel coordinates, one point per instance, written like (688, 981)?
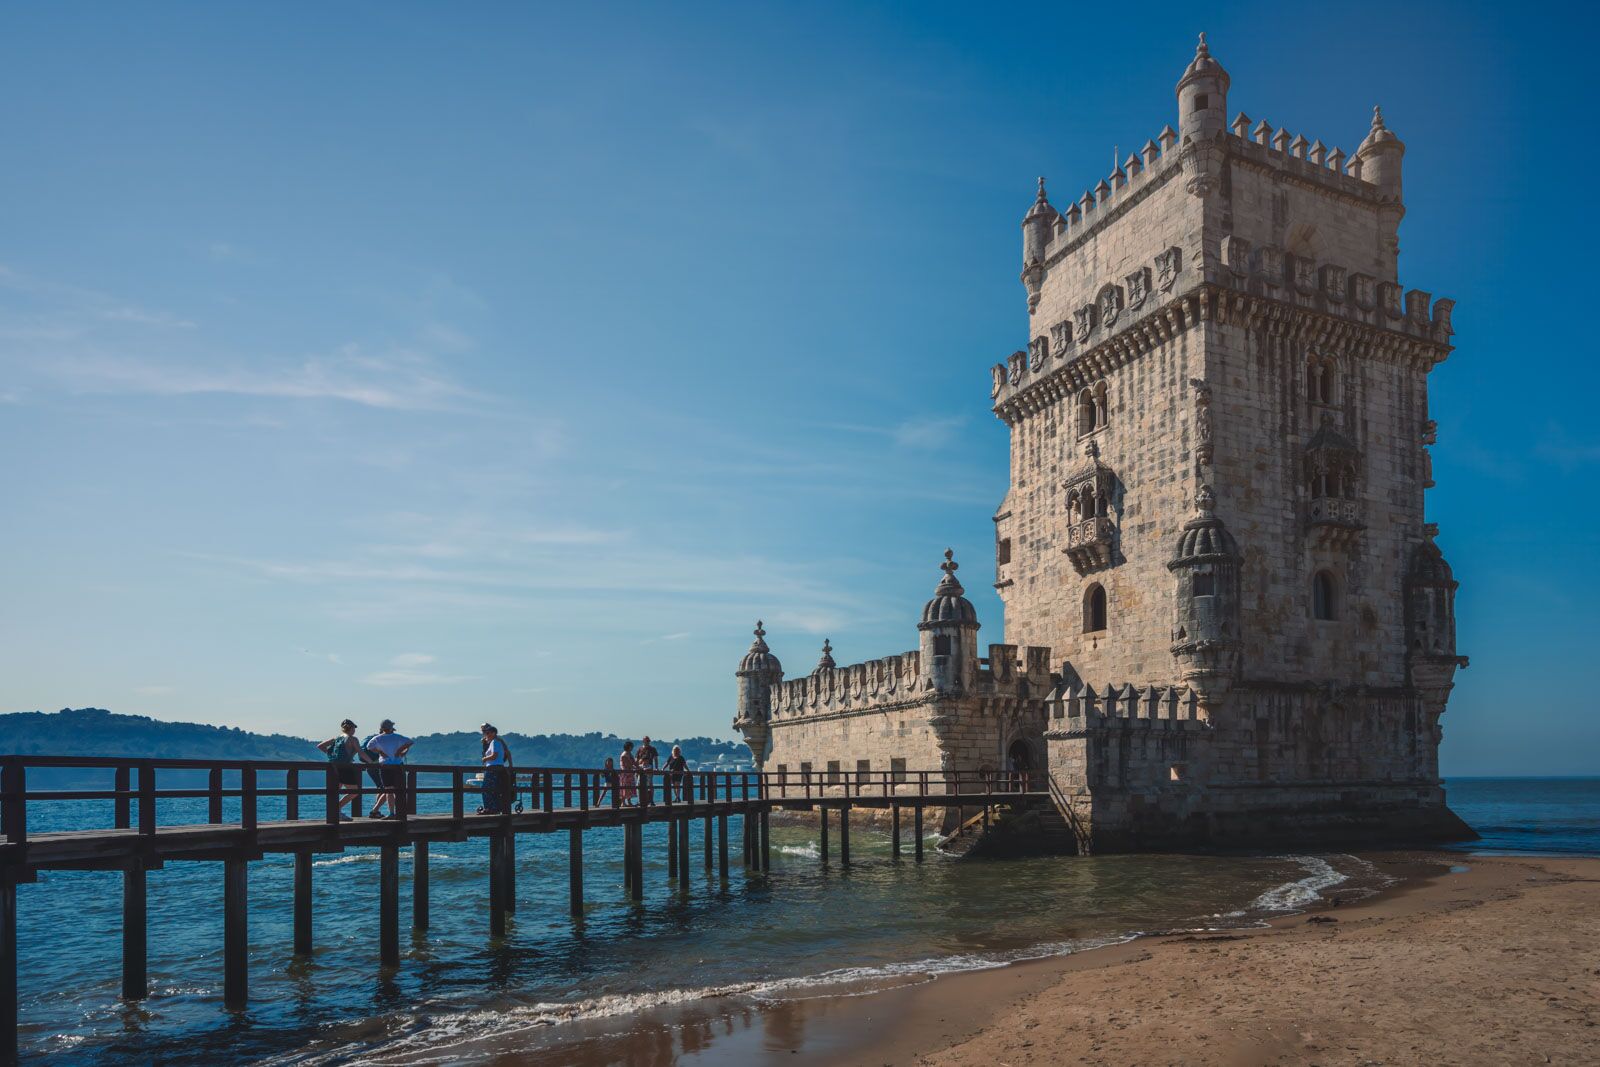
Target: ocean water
(805, 930)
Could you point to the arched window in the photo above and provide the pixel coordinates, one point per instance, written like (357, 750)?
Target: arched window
(1328, 382)
(1324, 603)
(1314, 380)
(1086, 423)
(1094, 609)
(1100, 412)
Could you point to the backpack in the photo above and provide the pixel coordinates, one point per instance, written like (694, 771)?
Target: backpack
(339, 752)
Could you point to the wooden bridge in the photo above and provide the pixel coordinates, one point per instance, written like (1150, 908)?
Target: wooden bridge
(301, 802)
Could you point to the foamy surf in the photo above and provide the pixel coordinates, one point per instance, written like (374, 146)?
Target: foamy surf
(429, 1038)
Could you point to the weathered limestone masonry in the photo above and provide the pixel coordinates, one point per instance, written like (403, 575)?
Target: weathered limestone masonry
(1215, 522)
(940, 707)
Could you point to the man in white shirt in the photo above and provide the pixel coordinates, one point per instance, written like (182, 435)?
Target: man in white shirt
(391, 749)
(496, 769)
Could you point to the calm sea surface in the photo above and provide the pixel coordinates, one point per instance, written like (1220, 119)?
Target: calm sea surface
(803, 930)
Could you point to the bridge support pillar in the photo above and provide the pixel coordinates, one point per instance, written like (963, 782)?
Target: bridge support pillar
(894, 818)
(683, 852)
(302, 903)
(235, 933)
(135, 943)
(636, 860)
(844, 835)
(8, 970)
(508, 869)
(497, 886)
(419, 886)
(672, 851)
(722, 846)
(708, 835)
(822, 843)
(389, 905)
(575, 871)
(766, 842)
(916, 831)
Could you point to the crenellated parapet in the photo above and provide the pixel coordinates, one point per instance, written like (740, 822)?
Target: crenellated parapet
(878, 683)
(1077, 708)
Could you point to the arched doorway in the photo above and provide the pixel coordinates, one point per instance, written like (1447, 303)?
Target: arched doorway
(1020, 764)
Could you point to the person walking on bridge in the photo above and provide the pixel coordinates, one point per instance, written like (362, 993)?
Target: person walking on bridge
(390, 748)
(344, 751)
(649, 760)
(496, 771)
(677, 772)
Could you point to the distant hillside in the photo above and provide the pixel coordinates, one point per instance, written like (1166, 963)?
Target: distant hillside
(97, 732)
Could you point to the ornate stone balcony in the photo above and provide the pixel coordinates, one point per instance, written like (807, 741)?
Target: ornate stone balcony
(1334, 521)
(1089, 543)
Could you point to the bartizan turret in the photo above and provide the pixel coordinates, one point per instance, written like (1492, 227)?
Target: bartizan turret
(758, 672)
(1037, 226)
(1378, 158)
(1430, 590)
(949, 630)
(1205, 634)
(1202, 120)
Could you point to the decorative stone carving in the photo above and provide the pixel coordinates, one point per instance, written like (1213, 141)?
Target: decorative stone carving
(1061, 337)
(1139, 287)
(1235, 253)
(1305, 274)
(998, 371)
(1364, 291)
(1084, 318)
(1038, 353)
(1202, 422)
(1389, 299)
(1269, 261)
(1333, 283)
(1109, 302)
(1430, 436)
(1169, 265)
(1202, 161)
(1017, 362)
(1417, 303)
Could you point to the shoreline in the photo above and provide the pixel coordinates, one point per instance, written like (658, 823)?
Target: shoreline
(1296, 988)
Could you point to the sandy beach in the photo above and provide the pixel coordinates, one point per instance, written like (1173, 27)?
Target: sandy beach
(1468, 959)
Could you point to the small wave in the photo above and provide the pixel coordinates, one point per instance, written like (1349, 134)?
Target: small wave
(370, 857)
(1320, 875)
(811, 851)
(434, 1036)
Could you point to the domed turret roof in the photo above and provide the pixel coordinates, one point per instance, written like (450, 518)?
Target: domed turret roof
(1041, 206)
(949, 606)
(1379, 132)
(1427, 562)
(1204, 537)
(760, 657)
(1203, 65)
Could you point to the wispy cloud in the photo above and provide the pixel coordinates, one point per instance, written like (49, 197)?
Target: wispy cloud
(399, 381)
(665, 637)
(405, 671)
(331, 657)
(155, 690)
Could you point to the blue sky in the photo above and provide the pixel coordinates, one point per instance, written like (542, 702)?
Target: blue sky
(453, 361)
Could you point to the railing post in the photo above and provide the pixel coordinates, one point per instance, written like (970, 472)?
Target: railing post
(215, 786)
(147, 799)
(458, 798)
(549, 792)
(247, 797)
(9, 1052)
(566, 789)
(583, 791)
(122, 783)
(291, 795)
(14, 790)
(330, 789)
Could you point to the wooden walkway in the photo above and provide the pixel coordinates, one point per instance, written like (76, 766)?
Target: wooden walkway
(434, 804)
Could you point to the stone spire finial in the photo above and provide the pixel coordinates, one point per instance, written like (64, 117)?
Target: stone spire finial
(1042, 197)
(759, 644)
(1201, 49)
(759, 631)
(826, 662)
(949, 585)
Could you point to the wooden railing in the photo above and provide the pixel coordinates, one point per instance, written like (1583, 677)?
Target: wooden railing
(312, 790)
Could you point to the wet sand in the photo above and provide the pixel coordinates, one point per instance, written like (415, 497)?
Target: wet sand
(1497, 963)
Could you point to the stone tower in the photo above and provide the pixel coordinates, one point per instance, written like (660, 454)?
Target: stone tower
(1218, 464)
